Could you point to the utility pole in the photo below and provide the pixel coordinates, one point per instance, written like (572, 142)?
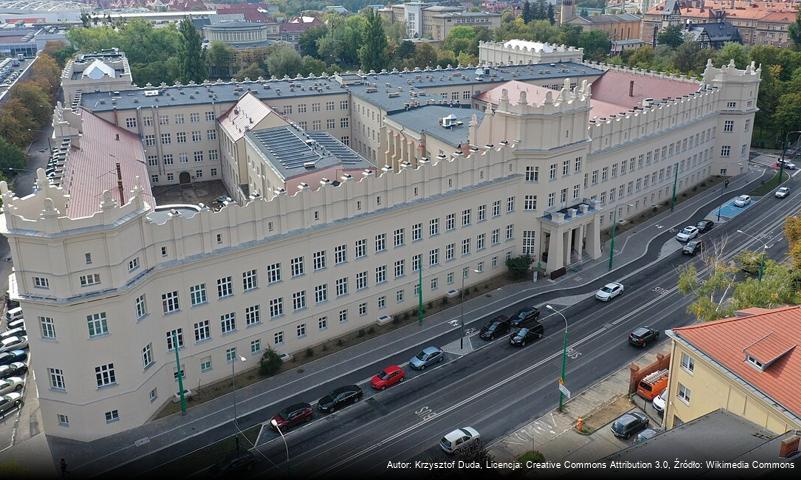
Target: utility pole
(180, 373)
(675, 182)
(420, 292)
(612, 242)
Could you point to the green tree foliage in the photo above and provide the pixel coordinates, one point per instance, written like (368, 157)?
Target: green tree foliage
(60, 51)
(711, 295)
(670, 36)
(193, 60)
(794, 31)
(252, 71)
(519, 266)
(313, 66)
(792, 231)
(373, 52)
(308, 40)
(11, 158)
(341, 45)
(732, 51)
(221, 59)
(596, 44)
(526, 12)
(270, 363)
(460, 39)
(550, 15)
(36, 100)
(284, 60)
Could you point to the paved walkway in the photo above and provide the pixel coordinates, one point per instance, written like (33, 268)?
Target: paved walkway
(107, 453)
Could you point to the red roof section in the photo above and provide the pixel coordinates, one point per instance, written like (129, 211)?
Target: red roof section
(300, 24)
(613, 87)
(766, 335)
(91, 168)
(250, 12)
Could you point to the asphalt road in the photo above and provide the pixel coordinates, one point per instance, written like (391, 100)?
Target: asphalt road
(485, 388)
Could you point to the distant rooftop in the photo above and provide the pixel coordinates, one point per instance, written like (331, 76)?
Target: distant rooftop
(427, 120)
(293, 152)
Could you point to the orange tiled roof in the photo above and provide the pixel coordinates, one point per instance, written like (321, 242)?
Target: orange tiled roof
(777, 13)
(772, 337)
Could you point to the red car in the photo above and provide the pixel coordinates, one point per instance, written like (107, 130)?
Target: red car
(292, 416)
(387, 377)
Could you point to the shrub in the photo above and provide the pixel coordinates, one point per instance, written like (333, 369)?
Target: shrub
(309, 352)
(395, 320)
(444, 300)
(325, 347)
(340, 342)
(534, 456)
(371, 330)
(518, 266)
(361, 333)
(270, 363)
(430, 304)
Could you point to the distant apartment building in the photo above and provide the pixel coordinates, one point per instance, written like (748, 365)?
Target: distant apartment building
(291, 30)
(426, 20)
(104, 71)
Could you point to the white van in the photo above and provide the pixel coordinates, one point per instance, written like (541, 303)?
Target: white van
(17, 332)
(14, 314)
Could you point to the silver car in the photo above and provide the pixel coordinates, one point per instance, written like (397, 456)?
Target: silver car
(429, 356)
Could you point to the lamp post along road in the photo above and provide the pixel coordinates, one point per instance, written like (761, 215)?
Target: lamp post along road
(784, 151)
(180, 373)
(762, 256)
(286, 445)
(564, 358)
(233, 383)
(675, 183)
(461, 308)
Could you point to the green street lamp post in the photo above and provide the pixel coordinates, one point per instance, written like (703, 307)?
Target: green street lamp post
(784, 151)
(761, 270)
(180, 373)
(564, 358)
(675, 183)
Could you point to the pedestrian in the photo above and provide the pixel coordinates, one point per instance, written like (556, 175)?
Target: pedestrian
(63, 464)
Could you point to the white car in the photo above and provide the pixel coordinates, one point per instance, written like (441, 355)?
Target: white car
(459, 439)
(789, 166)
(13, 343)
(742, 201)
(609, 291)
(11, 384)
(659, 401)
(781, 192)
(687, 234)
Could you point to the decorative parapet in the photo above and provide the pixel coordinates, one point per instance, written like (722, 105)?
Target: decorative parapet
(642, 71)
(567, 100)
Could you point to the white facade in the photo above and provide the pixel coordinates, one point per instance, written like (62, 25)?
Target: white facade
(526, 51)
(296, 270)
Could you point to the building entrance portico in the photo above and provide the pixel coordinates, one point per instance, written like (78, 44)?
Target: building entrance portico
(569, 233)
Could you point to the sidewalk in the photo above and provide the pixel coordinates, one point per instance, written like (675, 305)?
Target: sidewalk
(105, 454)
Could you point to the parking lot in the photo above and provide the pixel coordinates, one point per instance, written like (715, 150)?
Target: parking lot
(21, 423)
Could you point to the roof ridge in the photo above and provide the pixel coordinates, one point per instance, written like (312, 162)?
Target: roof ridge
(735, 318)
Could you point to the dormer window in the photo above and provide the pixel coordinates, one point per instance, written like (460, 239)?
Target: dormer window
(754, 362)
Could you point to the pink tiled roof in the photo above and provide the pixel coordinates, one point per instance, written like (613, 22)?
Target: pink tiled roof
(300, 24)
(776, 333)
(245, 114)
(613, 88)
(91, 168)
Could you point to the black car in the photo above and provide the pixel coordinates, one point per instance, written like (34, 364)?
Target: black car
(339, 398)
(525, 317)
(495, 328)
(16, 369)
(692, 247)
(704, 226)
(628, 424)
(238, 463)
(522, 336)
(641, 336)
(13, 356)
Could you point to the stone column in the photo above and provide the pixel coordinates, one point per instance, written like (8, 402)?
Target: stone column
(390, 151)
(594, 237)
(555, 253)
(567, 239)
(580, 246)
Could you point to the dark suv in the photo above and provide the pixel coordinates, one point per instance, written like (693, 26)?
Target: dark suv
(628, 424)
(521, 336)
(704, 226)
(339, 398)
(641, 336)
(292, 416)
(525, 317)
(495, 328)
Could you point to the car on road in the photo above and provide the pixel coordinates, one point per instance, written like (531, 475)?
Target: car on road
(387, 377)
(782, 192)
(340, 398)
(13, 343)
(659, 402)
(642, 336)
(687, 234)
(7, 358)
(16, 369)
(787, 165)
(522, 336)
(11, 384)
(742, 201)
(459, 439)
(692, 247)
(609, 291)
(495, 328)
(628, 424)
(241, 462)
(9, 402)
(292, 416)
(646, 434)
(427, 357)
(704, 226)
(525, 316)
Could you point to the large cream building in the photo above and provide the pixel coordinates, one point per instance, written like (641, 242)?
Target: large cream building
(472, 166)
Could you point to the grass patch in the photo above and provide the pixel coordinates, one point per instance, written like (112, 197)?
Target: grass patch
(209, 455)
(533, 456)
(768, 186)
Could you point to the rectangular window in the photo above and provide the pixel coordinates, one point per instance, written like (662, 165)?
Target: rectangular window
(202, 331)
(687, 362)
(228, 322)
(725, 150)
(398, 237)
(196, 136)
(166, 138)
(343, 316)
(481, 241)
(274, 273)
(399, 268)
(276, 307)
(296, 266)
(104, 375)
(301, 330)
(97, 324)
(433, 256)
(528, 242)
(180, 137)
(169, 302)
(565, 167)
(450, 222)
(433, 227)
(41, 282)
(466, 246)
(449, 278)
(496, 236)
(47, 327)
(510, 232)
(482, 213)
(205, 365)
(530, 202)
(56, 376)
(578, 164)
(380, 242)
(299, 300)
(510, 204)
(112, 416)
(363, 309)
(532, 174)
(318, 260)
(684, 393)
(496, 208)
(197, 294)
(278, 338)
(381, 274)
(417, 232)
(225, 287)
(552, 172)
(341, 286)
(321, 293)
(466, 217)
(63, 420)
(340, 254)
(230, 354)
(361, 248)
(172, 335)
(249, 280)
(252, 315)
(211, 134)
(417, 262)
(449, 251)
(361, 280)
(255, 346)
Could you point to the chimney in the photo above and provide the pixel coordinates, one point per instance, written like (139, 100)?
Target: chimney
(789, 447)
(631, 88)
(119, 185)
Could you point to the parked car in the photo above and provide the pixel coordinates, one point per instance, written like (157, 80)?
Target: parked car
(628, 424)
(427, 357)
(13, 343)
(782, 192)
(692, 247)
(787, 164)
(19, 323)
(13, 314)
(687, 234)
(609, 291)
(742, 201)
(9, 402)
(242, 462)
(646, 434)
(659, 402)
(340, 398)
(521, 336)
(292, 416)
(16, 369)
(704, 226)
(641, 336)
(387, 377)
(495, 328)
(524, 317)
(11, 384)
(15, 332)
(459, 439)
(7, 358)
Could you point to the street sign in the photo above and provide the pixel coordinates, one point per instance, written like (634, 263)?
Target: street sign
(564, 390)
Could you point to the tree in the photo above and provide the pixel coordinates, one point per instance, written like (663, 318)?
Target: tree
(47, 74)
(424, 56)
(596, 44)
(193, 62)
(711, 295)
(308, 40)
(270, 362)
(86, 20)
(459, 39)
(551, 16)
(792, 231)
(732, 51)
(35, 99)
(12, 158)
(519, 266)
(788, 112)
(284, 60)
(670, 36)
(373, 53)
(59, 51)
(794, 31)
(16, 123)
(221, 59)
(252, 71)
(526, 12)
(691, 58)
